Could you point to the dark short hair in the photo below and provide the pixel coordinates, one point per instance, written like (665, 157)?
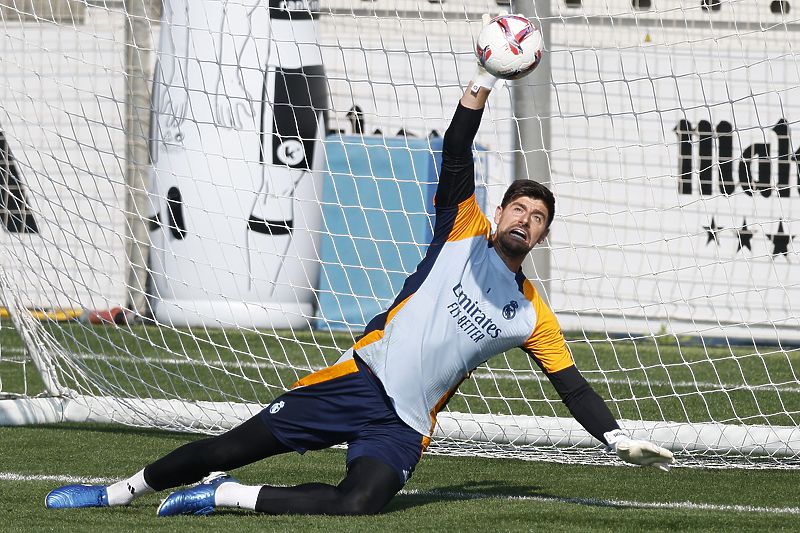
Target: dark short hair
(532, 189)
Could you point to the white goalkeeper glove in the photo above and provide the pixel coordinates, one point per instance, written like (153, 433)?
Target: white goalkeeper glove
(638, 452)
(482, 78)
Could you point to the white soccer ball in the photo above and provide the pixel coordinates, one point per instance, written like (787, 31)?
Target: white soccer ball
(509, 47)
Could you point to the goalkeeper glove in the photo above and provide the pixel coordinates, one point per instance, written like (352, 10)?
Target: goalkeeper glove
(638, 452)
(482, 78)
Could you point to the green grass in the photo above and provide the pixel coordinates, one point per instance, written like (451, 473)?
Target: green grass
(467, 494)
(643, 380)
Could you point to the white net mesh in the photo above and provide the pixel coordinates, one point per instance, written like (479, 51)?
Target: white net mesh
(204, 257)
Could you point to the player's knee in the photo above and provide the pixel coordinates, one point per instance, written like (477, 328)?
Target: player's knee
(360, 504)
(365, 499)
(370, 484)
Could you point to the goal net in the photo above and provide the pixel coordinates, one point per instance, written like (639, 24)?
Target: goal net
(202, 201)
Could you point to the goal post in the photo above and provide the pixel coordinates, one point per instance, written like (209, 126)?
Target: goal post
(532, 113)
(203, 201)
(142, 15)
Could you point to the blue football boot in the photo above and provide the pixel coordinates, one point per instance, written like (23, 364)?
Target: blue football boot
(197, 500)
(70, 496)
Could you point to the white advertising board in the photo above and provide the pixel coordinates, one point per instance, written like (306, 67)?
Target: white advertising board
(674, 169)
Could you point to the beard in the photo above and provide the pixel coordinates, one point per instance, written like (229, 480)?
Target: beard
(511, 246)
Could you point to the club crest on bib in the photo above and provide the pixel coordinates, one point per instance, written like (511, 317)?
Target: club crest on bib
(275, 407)
(510, 310)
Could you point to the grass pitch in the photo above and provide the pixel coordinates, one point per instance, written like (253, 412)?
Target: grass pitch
(656, 380)
(466, 494)
(644, 379)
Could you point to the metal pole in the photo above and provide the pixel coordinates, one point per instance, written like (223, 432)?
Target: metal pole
(531, 100)
(138, 71)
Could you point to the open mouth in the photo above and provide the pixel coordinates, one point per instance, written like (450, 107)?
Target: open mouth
(518, 234)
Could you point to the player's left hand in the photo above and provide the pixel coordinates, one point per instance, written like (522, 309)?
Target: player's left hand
(639, 452)
(482, 78)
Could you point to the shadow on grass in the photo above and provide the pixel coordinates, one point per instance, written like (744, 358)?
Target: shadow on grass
(472, 490)
(481, 490)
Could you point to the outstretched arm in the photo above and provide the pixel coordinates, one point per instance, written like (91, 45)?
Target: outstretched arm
(457, 179)
(589, 409)
(548, 349)
(585, 405)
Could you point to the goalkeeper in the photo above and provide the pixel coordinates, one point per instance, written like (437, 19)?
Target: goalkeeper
(466, 302)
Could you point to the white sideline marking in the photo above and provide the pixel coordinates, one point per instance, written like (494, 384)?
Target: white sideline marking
(496, 374)
(8, 476)
(67, 480)
(608, 503)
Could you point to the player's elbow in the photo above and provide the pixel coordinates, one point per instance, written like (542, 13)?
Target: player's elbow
(573, 396)
(570, 384)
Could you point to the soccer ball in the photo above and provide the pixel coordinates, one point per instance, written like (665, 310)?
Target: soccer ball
(509, 47)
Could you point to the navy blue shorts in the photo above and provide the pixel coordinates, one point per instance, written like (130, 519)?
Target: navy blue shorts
(345, 403)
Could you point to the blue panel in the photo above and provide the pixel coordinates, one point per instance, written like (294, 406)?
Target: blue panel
(377, 221)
